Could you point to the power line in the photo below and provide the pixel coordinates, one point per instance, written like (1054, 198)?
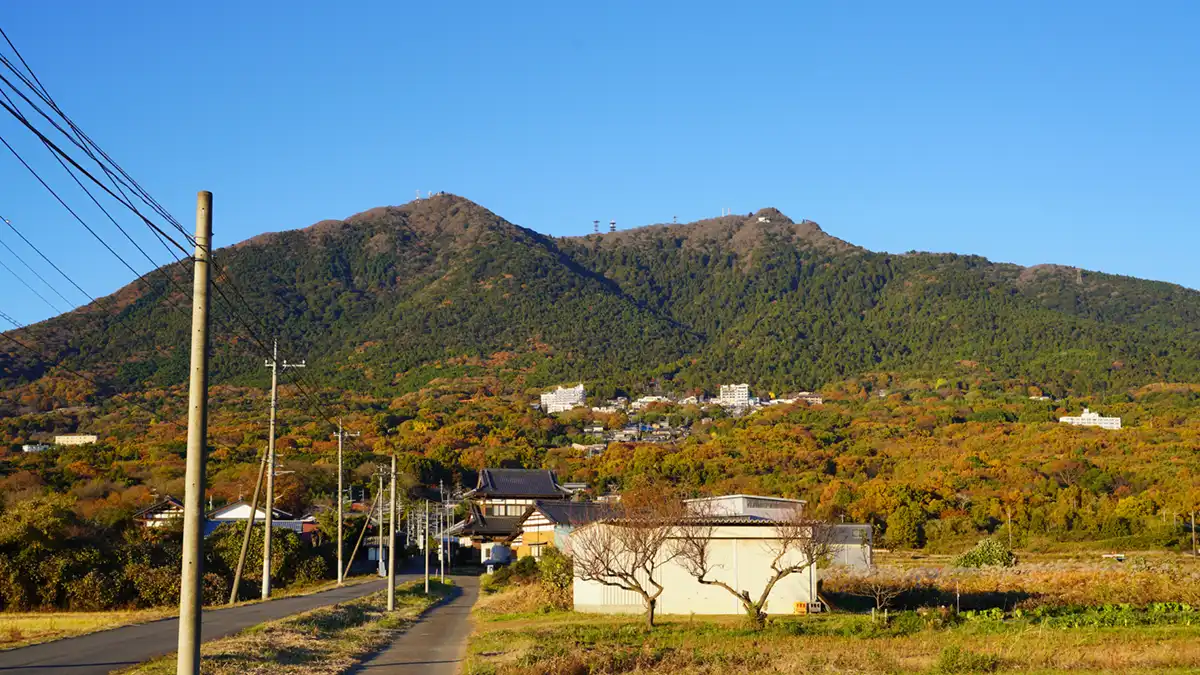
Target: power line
(35, 272)
(31, 288)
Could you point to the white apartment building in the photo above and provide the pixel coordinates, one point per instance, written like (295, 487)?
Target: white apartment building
(75, 439)
(1091, 419)
(564, 399)
(734, 396)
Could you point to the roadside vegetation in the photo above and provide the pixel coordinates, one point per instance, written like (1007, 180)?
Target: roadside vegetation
(327, 640)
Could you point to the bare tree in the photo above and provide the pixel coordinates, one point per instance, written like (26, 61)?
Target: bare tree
(880, 585)
(629, 549)
(799, 544)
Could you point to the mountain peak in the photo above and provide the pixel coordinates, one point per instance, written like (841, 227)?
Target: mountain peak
(742, 233)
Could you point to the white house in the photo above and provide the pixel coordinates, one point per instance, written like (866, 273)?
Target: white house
(734, 396)
(1091, 419)
(240, 510)
(34, 447)
(75, 439)
(563, 399)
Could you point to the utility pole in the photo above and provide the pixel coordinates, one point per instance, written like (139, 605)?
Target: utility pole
(425, 548)
(237, 575)
(1195, 551)
(268, 520)
(192, 572)
(341, 435)
(379, 546)
(442, 530)
(391, 582)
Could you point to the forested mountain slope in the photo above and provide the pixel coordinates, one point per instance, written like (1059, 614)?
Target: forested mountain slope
(393, 297)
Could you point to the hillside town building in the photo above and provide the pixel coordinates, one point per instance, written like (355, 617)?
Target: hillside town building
(734, 396)
(75, 439)
(1091, 419)
(563, 399)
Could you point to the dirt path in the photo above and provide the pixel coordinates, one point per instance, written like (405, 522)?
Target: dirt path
(436, 644)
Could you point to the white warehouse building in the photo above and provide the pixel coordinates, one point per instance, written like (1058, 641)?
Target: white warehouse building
(1091, 419)
(564, 399)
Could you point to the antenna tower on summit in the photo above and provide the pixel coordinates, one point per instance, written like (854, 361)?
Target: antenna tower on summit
(595, 227)
(612, 226)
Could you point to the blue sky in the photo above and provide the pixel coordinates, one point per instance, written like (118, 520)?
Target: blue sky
(1027, 132)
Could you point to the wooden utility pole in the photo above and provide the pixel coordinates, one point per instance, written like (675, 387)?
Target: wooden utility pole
(237, 575)
(391, 581)
(268, 519)
(341, 435)
(192, 572)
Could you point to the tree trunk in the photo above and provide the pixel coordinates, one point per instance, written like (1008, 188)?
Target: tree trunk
(650, 612)
(755, 616)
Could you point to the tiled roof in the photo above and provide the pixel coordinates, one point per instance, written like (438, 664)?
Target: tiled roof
(528, 483)
(478, 524)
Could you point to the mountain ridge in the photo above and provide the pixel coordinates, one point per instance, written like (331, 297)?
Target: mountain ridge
(383, 296)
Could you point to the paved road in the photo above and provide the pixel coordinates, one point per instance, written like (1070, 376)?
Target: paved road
(110, 650)
(435, 645)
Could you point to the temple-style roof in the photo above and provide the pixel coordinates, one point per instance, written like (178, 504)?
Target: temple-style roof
(518, 484)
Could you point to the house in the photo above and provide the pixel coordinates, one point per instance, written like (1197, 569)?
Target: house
(741, 551)
(594, 430)
(75, 439)
(240, 510)
(590, 449)
(163, 513)
(549, 523)
(1091, 419)
(499, 502)
(34, 447)
(563, 399)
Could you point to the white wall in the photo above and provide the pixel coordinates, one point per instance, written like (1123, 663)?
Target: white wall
(742, 557)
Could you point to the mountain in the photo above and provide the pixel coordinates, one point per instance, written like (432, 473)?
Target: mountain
(393, 297)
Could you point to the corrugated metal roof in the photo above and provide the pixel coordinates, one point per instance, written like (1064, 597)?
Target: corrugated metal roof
(574, 513)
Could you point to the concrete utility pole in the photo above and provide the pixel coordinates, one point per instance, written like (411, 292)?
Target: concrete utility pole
(192, 572)
(268, 519)
(391, 582)
(425, 547)
(341, 435)
(442, 531)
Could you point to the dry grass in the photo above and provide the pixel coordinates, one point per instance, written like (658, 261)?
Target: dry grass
(21, 629)
(568, 643)
(324, 641)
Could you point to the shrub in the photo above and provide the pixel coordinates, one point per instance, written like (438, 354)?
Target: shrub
(958, 660)
(92, 592)
(556, 569)
(155, 586)
(311, 570)
(987, 553)
(215, 589)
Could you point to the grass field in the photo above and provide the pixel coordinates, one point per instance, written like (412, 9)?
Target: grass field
(567, 643)
(21, 629)
(324, 641)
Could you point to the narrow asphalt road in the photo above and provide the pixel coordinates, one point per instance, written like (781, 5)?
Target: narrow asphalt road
(436, 644)
(109, 650)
